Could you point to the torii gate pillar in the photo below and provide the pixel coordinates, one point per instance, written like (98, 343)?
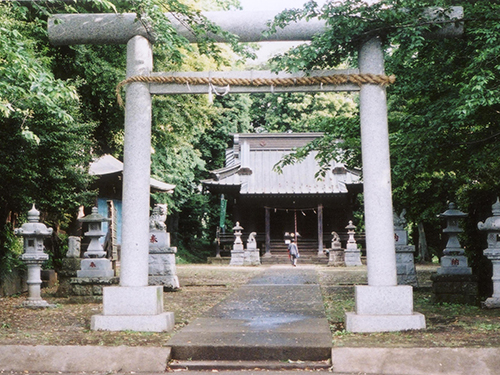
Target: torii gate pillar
(134, 305)
(381, 305)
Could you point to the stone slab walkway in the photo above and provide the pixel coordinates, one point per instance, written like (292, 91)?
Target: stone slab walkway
(278, 315)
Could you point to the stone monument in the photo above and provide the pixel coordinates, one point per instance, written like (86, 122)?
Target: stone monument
(95, 264)
(33, 233)
(352, 254)
(492, 226)
(405, 262)
(238, 252)
(162, 269)
(454, 282)
(251, 255)
(336, 256)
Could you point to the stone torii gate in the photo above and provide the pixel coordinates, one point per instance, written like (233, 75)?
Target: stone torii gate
(381, 305)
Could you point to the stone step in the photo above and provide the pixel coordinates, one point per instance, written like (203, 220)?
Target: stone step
(283, 259)
(278, 316)
(176, 365)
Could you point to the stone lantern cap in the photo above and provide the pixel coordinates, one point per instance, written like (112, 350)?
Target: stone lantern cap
(238, 227)
(94, 217)
(33, 228)
(351, 226)
(452, 212)
(492, 223)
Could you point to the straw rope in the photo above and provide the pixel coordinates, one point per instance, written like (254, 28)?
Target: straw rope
(335, 79)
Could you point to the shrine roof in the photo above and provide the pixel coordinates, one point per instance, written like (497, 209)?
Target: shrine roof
(250, 163)
(107, 164)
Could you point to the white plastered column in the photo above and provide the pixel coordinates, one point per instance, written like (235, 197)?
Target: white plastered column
(382, 305)
(134, 305)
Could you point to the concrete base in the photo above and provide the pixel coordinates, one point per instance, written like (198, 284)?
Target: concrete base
(384, 309)
(140, 323)
(383, 323)
(134, 309)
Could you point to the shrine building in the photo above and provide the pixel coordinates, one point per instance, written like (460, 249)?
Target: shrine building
(272, 204)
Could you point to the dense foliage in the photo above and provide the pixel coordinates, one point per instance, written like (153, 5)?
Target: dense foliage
(58, 111)
(443, 108)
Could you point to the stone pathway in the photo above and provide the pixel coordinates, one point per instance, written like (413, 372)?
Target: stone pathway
(277, 316)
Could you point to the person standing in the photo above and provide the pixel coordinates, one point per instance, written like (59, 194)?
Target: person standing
(293, 252)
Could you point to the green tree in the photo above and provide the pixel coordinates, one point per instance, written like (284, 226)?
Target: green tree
(443, 108)
(45, 142)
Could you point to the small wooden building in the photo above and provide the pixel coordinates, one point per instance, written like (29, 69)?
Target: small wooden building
(295, 201)
(109, 185)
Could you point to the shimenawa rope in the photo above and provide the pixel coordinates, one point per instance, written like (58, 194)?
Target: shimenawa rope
(335, 79)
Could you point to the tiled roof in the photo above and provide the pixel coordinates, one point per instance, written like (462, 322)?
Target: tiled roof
(258, 177)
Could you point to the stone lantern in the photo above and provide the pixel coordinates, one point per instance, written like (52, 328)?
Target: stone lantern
(454, 281)
(238, 251)
(33, 233)
(453, 261)
(492, 226)
(352, 255)
(95, 264)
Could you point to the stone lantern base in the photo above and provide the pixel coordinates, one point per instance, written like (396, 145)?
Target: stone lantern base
(460, 289)
(237, 255)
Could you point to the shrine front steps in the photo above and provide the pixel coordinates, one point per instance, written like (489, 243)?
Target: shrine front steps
(284, 259)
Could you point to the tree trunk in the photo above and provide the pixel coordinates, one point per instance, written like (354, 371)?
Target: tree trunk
(423, 250)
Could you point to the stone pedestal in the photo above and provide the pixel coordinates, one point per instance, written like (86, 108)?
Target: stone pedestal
(460, 289)
(405, 265)
(336, 258)
(454, 265)
(96, 267)
(251, 256)
(133, 309)
(352, 256)
(162, 265)
(383, 309)
(237, 255)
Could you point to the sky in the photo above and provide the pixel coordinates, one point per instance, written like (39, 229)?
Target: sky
(271, 48)
(272, 4)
